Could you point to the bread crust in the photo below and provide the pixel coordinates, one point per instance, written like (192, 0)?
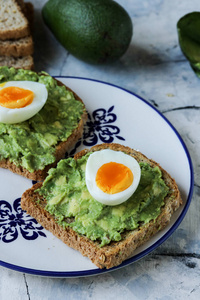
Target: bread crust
(61, 148)
(17, 48)
(116, 252)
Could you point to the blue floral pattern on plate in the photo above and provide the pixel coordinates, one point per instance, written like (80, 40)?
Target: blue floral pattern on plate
(14, 221)
(99, 127)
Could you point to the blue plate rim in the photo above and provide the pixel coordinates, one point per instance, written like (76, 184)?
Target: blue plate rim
(58, 274)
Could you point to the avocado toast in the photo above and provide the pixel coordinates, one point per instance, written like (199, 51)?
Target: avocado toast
(106, 235)
(31, 147)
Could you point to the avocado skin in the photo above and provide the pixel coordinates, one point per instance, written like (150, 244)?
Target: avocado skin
(95, 31)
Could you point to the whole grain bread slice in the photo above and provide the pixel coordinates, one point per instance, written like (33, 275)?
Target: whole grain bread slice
(18, 52)
(116, 252)
(61, 148)
(17, 48)
(22, 62)
(13, 23)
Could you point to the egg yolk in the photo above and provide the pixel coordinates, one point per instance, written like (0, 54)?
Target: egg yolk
(15, 97)
(113, 178)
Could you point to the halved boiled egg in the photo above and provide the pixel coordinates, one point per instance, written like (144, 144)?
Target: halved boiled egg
(112, 176)
(21, 100)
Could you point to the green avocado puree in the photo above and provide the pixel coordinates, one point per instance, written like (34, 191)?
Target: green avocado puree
(67, 197)
(31, 144)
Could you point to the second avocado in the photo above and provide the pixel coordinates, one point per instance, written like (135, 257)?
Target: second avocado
(95, 31)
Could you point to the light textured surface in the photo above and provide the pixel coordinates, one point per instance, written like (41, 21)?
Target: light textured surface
(154, 68)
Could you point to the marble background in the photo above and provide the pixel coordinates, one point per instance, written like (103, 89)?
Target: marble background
(155, 69)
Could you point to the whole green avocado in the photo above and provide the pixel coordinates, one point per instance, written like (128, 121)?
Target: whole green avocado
(95, 31)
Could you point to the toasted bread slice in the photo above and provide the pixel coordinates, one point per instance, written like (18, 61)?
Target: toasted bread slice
(114, 253)
(60, 149)
(13, 23)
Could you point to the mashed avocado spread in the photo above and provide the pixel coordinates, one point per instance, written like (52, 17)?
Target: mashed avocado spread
(31, 144)
(70, 202)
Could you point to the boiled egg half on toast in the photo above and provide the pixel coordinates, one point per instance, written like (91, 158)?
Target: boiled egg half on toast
(21, 100)
(112, 176)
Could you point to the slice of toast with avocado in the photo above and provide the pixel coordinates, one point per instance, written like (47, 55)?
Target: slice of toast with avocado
(31, 147)
(106, 234)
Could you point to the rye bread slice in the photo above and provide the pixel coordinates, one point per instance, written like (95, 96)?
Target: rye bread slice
(22, 46)
(116, 252)
(17, 51)
(17, 48)
(22, 62)
(13, 23)
(60, 150)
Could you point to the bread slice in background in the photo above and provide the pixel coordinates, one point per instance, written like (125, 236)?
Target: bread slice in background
(23, 62)
(16, 50)
(13, 23)
(115, 253)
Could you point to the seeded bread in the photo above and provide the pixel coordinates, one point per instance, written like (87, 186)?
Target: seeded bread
(116, 252)
(13, 23)
(60, 151)
(22, 62)
(15, 51)
(17, 48)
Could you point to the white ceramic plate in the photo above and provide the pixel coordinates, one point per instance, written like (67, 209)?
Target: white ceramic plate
(116, 115)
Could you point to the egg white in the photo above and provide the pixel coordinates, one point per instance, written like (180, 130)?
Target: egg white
(96, 160)
(16, 115)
